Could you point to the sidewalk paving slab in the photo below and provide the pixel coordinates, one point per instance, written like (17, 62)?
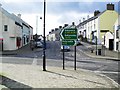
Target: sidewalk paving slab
(111, 56)
(55, 77)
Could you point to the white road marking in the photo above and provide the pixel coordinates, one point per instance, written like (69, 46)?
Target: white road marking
(106, 72)
(34, 60)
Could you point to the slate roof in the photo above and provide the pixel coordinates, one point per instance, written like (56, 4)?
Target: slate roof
(90, 19)
(14, 17)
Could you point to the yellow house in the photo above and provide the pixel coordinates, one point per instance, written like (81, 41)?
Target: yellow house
(99, 25)
(106, 22)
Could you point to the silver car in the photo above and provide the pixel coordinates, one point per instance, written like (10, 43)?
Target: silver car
(39, 44)
(66, 48)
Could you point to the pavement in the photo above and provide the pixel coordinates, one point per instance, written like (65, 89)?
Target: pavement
(105, 53)
(33, 76)
(55, 77)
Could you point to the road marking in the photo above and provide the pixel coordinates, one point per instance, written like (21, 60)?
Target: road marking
(34, 60)
(106, 72)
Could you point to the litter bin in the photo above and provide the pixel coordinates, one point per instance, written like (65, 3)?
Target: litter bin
(99, 51)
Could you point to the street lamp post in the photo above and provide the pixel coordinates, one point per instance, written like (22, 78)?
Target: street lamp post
(44, 56)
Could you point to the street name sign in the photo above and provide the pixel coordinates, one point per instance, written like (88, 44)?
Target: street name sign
(69, 34)
(69, 42)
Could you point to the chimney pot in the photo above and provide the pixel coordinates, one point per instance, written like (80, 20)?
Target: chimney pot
(65, 25)
(60, 27)
(19, 15)
(96, 12)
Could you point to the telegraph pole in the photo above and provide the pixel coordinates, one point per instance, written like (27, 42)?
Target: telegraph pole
(44, 56)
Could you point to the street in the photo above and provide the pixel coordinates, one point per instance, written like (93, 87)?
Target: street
(102, 66)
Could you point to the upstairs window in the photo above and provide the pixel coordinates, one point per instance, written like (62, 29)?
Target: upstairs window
(5, 27)
(117, 34)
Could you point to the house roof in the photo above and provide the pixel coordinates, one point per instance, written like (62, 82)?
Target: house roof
(14, 17)
(90, 19)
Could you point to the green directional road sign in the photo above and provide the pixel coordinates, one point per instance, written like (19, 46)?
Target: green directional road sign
(69, 34)
(68, 42)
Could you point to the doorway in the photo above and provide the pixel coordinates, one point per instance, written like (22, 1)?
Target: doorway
(111, 41)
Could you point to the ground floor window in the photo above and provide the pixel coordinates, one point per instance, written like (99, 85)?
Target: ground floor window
(117, 45)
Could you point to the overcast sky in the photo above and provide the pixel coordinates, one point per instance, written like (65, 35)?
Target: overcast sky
(58, 12)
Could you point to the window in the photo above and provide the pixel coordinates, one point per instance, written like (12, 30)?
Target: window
(117, 45)
(117, 34)
(5, 28)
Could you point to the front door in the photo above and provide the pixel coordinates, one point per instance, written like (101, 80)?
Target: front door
(111, 41)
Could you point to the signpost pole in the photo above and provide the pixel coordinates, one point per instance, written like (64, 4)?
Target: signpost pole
(75, 59)
(44, 56)
(63, 59)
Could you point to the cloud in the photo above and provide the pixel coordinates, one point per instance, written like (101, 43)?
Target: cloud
(58, 13)
(60, 1)
(30, 7)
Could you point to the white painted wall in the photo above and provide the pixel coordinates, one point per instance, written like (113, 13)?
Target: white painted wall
(115, 39)
(9, 36)
(14, 31)
(1, 23)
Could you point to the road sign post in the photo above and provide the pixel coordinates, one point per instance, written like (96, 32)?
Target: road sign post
(69, 37)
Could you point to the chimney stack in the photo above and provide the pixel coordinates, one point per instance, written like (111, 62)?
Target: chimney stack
(87, 16)
(19, 15)
(52, 30)
(65, 25)
(73, 23)
(60, 27)
(56, 29)
(83, 19)
(96, 12)
(110, 6)
(79, 21)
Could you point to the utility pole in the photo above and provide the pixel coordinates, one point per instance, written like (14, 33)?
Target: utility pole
(44, 56)
(36, 24)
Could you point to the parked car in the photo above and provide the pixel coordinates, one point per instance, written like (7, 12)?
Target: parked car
(39, 44)
(66, 48)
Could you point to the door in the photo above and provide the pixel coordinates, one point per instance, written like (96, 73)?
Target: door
(111, 41)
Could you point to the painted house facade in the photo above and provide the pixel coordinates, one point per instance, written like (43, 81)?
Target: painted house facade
(117, 35)
(15, 32)
(54, 35)
(98, 25)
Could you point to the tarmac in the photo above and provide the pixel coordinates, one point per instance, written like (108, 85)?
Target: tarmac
(105, 53)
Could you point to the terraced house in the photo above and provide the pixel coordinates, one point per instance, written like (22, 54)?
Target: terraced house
(117, 35)
(14, 32)
(100, 27)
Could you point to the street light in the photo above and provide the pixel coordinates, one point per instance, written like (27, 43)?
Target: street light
(44, 56)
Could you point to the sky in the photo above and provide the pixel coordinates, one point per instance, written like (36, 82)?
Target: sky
(58, 12)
